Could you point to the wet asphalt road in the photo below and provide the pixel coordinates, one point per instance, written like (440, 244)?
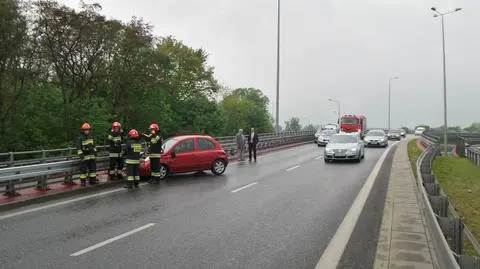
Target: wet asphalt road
(284, 217)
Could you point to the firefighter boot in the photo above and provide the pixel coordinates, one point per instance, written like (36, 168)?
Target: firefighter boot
(136, 183)
(129, 185)
(83, 182)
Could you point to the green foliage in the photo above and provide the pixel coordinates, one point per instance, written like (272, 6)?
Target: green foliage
(75, 66)
(474, 127)
(293, 125)
(311, 128)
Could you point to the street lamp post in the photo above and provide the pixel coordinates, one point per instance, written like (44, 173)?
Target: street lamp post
(389, 98)
(277, 116)
(445, 132)
(338, 110)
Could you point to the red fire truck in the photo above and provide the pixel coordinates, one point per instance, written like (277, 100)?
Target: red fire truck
(353, 123)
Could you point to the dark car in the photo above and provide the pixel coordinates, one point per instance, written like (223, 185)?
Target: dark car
(394, 135)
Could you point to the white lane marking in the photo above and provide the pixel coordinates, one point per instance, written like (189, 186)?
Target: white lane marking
(319, 157)
(269, 154)
(293, 167)
(101, 244)
(244, 187)
(334, 251)
(61, 203)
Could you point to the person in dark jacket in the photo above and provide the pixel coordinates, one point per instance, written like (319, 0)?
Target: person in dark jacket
(87, 152)
(155, 141)
(115, 139)
(252, 140)
(132, 156)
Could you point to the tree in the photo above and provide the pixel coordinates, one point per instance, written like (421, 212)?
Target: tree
(310, 128)
(245, 108)
(293, 125)
(474, 127)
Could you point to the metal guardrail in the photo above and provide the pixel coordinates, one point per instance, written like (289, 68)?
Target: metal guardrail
(66, 168)
(447, 232)
(20, 158)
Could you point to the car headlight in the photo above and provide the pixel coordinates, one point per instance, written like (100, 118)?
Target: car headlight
(353, 149)
(382, 139)
(328, 150)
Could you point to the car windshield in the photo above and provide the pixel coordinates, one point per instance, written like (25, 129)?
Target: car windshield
(349, 121)
(343, 139)
(420, 129)
(327, 132)
(168, 144)
(375, 133)
(394, 131)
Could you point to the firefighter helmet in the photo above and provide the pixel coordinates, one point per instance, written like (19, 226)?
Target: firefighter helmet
(154, 127)
(86, 126)
(116, 125)
(133, 134)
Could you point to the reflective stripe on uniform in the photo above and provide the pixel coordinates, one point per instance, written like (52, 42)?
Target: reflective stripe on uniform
(117, 138)
(130, 178)
(87, 142)
(137, 177)
(155, 155)
(132, 161)
(92, 174)
(110, 137)
(83, 176)
(136, 147)
(89, 157)
(155, 139)
(154, 174)
(79, 152)
(111, 172)
(114, 155)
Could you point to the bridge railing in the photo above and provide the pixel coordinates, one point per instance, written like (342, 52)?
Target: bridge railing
(447, 228)
(65, 166)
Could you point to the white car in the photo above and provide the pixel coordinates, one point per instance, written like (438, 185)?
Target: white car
(419, 130)
(344, 146)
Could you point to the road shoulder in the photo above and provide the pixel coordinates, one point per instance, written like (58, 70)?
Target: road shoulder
(403, 238)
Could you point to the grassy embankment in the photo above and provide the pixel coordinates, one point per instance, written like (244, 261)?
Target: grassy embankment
(460, 180)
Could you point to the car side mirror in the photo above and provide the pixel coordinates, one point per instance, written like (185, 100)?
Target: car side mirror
(173, 154)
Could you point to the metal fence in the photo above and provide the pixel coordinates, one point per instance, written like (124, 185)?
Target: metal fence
(447, 229)
(64, 165)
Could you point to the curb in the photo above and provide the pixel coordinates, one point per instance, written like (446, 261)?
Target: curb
(112, 184)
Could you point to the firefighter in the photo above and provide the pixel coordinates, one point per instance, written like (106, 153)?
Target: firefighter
(132, 156)
(115, 139)
(87, 152)
(155, 152)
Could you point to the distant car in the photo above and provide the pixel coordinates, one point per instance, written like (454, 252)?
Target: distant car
(419, 130)
(324, 137)
(345, 146)
(376, 138)
(189, 153)
(403, 133)
(394, 135)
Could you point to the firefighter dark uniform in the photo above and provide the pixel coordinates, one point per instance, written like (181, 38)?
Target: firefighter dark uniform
(87, 151)
(132, 159)
(155, 153)
(115, 139)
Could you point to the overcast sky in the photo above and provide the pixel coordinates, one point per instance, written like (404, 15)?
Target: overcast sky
(341, 49)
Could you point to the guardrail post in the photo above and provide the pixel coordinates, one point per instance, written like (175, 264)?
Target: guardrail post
(42, 180)
(452, 229)
(439, 205)
(468, 262)
(11, 160)
(10, 189)
(68, 180)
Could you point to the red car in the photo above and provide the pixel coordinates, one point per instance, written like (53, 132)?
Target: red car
(189, 153)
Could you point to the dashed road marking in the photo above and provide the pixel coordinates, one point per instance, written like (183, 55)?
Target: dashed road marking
(319, 157)
(293, 167)
(106, 242)
(244, 187)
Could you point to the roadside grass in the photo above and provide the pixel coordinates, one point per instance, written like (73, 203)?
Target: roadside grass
(459, 179)
(413, 153)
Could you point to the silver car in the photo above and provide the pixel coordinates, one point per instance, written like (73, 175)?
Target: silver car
(324, 137)
(376, 138)
(344, 146)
